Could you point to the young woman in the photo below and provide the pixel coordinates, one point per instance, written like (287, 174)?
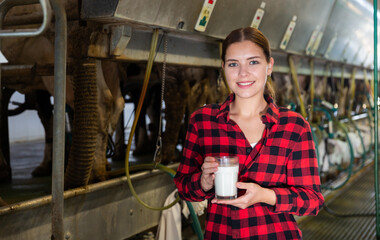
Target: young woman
(278, 169)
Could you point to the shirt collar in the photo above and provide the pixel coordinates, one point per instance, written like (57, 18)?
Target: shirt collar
(269, 118)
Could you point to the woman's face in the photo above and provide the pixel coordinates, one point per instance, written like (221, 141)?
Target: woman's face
(246, 69)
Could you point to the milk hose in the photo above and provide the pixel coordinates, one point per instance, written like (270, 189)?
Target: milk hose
(349, 168)
(196, 225)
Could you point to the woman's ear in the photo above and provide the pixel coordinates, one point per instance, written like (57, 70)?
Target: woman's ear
(222, 65)
(270, 66)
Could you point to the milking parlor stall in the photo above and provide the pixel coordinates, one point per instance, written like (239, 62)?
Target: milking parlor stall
(79, 63)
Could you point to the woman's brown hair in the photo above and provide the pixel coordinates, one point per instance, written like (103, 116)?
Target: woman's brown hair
(258, 38)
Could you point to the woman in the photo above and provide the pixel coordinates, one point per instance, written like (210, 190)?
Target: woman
(278, 170)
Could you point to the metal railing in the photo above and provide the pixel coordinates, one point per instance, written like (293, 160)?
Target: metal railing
(60, 48)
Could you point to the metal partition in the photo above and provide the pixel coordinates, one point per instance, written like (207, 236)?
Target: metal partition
(59, 96)
(105, 210)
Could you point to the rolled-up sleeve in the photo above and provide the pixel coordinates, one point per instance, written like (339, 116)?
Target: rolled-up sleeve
(303, 194)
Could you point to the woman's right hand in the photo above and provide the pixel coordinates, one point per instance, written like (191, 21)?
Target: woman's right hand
(209, 167)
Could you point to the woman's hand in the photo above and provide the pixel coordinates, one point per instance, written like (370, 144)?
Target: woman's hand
(254, 194)
(209, 167)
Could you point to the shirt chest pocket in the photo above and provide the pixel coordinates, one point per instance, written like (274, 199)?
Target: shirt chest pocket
(269, 166)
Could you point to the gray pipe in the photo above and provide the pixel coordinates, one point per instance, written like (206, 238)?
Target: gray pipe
(59, 118)
(6, 5)
(59, 96)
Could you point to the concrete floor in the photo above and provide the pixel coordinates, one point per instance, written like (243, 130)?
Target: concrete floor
(25, 157)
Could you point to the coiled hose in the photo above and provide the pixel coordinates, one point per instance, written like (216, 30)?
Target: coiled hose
(196, 226)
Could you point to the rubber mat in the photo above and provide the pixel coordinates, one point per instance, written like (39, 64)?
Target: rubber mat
(358, 198)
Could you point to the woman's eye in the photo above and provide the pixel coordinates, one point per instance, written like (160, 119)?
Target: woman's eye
(232, 64)
(253, 62)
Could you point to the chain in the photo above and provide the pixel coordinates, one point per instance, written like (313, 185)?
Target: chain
(157, 154)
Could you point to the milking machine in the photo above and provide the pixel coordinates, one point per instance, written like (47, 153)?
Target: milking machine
(330, 129)
(156, 160)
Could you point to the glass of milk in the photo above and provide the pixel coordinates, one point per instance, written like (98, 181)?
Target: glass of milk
(226, 177)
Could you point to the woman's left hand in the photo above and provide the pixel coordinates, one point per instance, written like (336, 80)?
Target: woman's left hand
(254, 194)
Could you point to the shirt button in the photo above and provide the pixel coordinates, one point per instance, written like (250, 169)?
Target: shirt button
(249, 150)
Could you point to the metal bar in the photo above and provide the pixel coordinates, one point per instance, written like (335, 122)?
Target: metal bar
(108, 203)
(82, 191)
(29, 70)
(60, 49)
(6, 5)
(376, 90)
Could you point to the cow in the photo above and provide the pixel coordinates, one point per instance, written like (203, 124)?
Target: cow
(105, 81)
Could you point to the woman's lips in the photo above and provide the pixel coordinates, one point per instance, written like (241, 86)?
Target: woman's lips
(245, 84)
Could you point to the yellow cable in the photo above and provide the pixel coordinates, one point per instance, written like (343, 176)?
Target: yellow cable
(296, 84)
(353, 87)
(368, 85)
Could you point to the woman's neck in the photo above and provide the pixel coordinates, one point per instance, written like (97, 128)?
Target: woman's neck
(248, 107)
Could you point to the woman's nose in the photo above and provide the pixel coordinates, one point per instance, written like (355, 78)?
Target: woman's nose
(243, 71)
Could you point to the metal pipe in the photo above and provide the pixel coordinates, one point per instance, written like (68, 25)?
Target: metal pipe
(112, 183)
(60, 49)
(6, 5)
(376, 92)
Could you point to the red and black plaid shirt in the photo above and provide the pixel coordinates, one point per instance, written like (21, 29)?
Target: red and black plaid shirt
(284, 160)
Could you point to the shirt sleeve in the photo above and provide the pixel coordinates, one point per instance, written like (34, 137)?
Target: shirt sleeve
(303, 196)
(188, 176)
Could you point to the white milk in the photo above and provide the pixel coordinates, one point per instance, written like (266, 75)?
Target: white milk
(225, 182)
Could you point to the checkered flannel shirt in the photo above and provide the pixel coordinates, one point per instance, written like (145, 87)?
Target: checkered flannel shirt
(284, 160)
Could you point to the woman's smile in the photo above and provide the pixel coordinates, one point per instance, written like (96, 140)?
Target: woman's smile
(245, 84)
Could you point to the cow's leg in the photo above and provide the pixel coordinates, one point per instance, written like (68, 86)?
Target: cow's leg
(110, 105)
(5, 169)
(154, 112)
(5, 166)
(176, 96)
(119, 140)
(45, 112)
